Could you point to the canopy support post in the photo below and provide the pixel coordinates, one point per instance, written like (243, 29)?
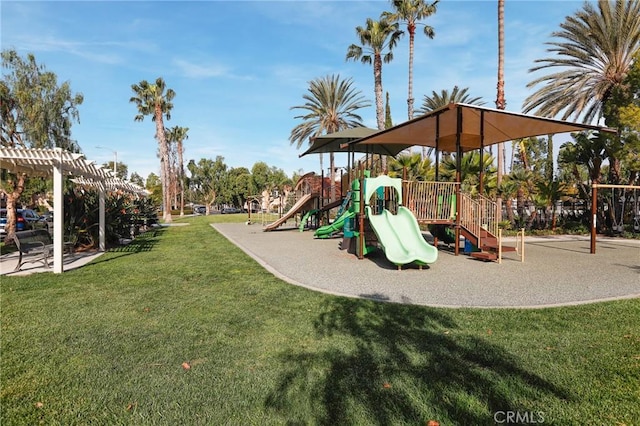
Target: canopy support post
(481, 189)
(437, 147)
(458, 178)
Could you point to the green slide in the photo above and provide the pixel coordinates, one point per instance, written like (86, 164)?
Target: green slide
(336, 226)
(401, 238)
(305, 218)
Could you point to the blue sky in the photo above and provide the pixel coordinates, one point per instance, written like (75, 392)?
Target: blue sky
(238, 66)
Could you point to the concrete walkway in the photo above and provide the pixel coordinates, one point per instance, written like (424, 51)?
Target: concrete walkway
(557, 271)
(71, 261)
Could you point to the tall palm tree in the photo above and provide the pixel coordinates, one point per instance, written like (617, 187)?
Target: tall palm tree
(375, 38)
(411, 12)
(592, 56)
(501, 103)
(178, 135)
(154, 99)
(331, 105)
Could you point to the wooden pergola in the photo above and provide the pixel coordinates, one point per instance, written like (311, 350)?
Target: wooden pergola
(59, 163)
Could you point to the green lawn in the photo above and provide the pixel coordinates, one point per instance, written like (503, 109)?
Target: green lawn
(106, 344)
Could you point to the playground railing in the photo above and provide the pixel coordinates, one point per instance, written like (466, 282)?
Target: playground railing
(431, 202)
(478, 213)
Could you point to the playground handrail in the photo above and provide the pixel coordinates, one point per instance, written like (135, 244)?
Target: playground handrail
(430, 202)
(478, 213)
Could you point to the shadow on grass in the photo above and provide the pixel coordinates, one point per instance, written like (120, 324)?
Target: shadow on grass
(394, 364)
(142, 243)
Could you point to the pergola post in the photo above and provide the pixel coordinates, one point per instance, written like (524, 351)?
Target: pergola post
(101, 220)
(58, 217)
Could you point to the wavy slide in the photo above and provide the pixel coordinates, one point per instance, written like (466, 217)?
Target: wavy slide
(401, 238)
(337, 225)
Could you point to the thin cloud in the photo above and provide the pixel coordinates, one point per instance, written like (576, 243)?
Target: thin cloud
(94, 51)
(207, 70)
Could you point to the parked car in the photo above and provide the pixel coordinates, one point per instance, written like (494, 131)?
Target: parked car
(230, 210)
(200, 209)
(47, 221)
(26, 219)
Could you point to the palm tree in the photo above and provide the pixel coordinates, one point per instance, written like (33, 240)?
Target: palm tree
(501, 103)
(444, 98)
(155, 100)
(523, 179)
(410, 12)
(375, 38)
(588, 151)
(177, 135)
(416, 167)
(508, 190)
(593, 54)
(550, 192)
(470, 171)
(331, 105)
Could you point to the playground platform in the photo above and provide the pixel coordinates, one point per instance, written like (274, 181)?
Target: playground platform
(558, 271)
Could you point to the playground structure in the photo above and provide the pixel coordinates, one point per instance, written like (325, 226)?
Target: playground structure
(309, 199)
(449, 211)
(398, 233)
(418, 203)
(376, 219)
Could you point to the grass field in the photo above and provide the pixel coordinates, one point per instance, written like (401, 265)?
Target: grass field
(181, 327)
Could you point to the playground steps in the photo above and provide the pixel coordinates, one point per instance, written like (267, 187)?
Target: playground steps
(488, 245)
(484, 255)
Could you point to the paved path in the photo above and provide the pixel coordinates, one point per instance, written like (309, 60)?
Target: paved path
(75, 260)
(557, 271)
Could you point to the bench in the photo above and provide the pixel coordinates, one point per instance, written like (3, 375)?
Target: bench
(34, 245)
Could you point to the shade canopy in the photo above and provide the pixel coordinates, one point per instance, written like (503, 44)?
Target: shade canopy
(332, 143)
(473, 126)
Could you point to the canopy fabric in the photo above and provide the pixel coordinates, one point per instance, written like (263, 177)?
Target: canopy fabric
(473, 126)
(332, 143)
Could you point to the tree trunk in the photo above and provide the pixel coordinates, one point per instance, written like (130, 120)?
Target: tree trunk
(17, 187)
(412, 33)
(181, 177)
(520, 203)
(332, 176)
(509, 207)
(377, 78)
(550, 166)
(164, 165)
(614, 170)
(500, 101)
